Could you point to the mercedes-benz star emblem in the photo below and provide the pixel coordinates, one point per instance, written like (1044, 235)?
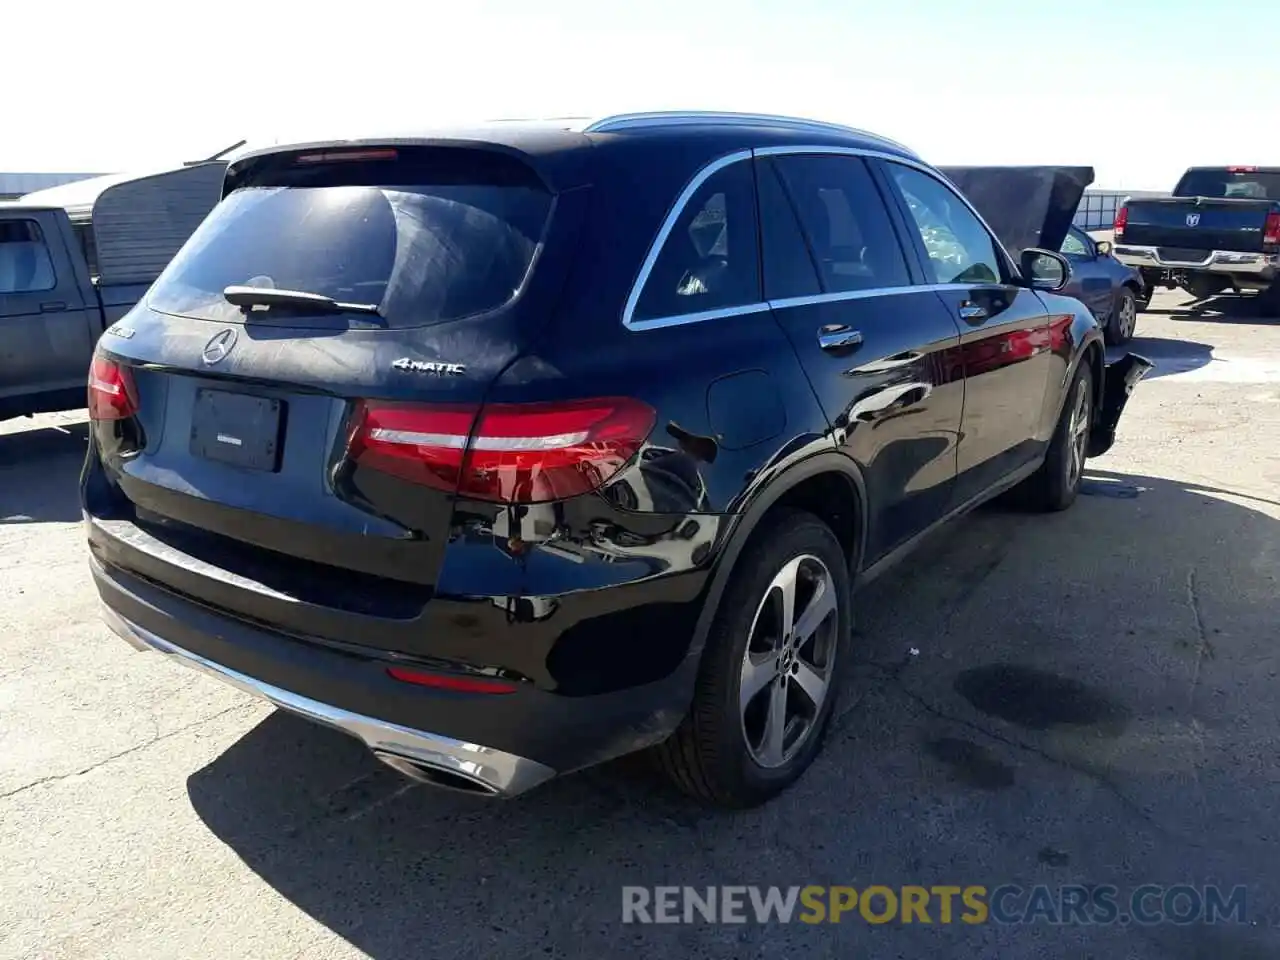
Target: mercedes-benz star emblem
(217, 348)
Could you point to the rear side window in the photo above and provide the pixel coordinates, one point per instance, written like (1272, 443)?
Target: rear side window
(25, 264)
(83, 230)
(960, 249)
(711, 258)
(1225, 182)
(845, 222)
(430, 236)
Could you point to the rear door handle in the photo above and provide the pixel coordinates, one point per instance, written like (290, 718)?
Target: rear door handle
(839, 336)
(53, 306)
(972, 311)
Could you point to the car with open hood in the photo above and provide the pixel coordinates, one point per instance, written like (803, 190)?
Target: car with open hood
(513, 449)
(1027, 206)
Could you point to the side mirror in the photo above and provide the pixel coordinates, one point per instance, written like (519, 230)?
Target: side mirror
(1103, 247)
(1044, 269)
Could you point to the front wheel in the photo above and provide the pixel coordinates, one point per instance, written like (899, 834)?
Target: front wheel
(1124, 318)
(767, 684)
(1057, 483)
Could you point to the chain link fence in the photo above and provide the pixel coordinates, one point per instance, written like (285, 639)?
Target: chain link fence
(1097, 210)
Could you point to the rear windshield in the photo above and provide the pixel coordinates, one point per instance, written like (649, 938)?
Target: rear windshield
(427, 237)
(1232, 184)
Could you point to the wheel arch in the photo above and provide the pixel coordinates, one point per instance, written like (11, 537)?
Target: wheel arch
(828, 484)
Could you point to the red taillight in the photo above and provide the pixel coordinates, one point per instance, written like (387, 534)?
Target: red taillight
(1242, 169)
(1271, 231)
(1122, 219)
(450, 681)
(518, 453)
(111, 392)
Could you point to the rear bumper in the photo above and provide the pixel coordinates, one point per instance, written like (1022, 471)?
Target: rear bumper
(496, 745)
(491, 771)
(1260, 265)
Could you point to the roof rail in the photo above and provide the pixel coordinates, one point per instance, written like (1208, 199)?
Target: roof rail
(633, 121)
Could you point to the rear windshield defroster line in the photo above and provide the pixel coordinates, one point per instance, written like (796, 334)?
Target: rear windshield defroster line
(433, 235)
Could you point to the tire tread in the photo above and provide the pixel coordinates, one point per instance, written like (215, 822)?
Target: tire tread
(692, 758)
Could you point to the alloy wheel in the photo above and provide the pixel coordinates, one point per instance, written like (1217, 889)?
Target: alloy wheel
(1128, 316)
(787, 666)
(1078, 432)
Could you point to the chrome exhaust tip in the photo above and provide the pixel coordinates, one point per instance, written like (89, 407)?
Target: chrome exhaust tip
(437, 776)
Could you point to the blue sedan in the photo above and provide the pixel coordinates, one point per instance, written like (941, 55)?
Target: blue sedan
(1113, 292)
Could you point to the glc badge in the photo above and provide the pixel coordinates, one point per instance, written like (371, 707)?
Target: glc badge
(430, 366)
(216, 349)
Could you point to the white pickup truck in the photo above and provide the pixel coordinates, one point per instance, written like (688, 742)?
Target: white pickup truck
(76, 258)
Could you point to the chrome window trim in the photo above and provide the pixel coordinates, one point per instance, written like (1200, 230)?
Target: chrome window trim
(715, 166)
(655, 248)
(842, 295)
(808, 300)
(683, 318)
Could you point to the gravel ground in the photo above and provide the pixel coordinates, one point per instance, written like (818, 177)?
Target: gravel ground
(1086, 698)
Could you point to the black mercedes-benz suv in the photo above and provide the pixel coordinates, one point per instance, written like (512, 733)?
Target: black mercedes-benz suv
(509, 450)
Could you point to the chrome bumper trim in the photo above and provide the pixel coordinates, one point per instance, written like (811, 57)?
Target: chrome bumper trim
(1218, 261)
(493, 771)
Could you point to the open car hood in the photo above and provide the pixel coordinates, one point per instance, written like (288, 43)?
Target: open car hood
(1025, 206)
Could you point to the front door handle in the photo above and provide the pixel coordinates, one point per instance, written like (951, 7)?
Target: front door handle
(52, 306)
(839, 336)
(973, 311)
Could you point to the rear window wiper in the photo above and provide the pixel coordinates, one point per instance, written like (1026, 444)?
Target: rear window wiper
(247, 297)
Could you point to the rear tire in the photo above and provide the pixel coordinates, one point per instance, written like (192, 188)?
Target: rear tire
(1057, 483)
(1124, 318)
(1269, 301)
(1203, 286)
(754, 727)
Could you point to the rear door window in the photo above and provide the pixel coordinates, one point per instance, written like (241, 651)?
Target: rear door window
(711, 258)
(848, 229)
(25, 263)
(429, 236)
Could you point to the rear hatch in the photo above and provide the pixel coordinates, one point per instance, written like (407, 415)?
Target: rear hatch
(252, 453)
(1213, 208)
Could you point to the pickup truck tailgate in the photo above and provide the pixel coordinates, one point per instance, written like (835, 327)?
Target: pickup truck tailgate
(1197, 224)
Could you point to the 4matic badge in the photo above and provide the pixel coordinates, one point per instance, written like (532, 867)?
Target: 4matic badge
(433, 367)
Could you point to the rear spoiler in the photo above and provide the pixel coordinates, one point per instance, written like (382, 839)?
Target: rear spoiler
(550, 154)
(1024, 206)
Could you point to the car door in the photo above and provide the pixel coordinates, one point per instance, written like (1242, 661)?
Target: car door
(1091, 278)
(1005, 334)
(45, 338)
(874, 342)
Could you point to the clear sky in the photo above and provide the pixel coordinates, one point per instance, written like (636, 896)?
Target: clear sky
(1139, 89)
